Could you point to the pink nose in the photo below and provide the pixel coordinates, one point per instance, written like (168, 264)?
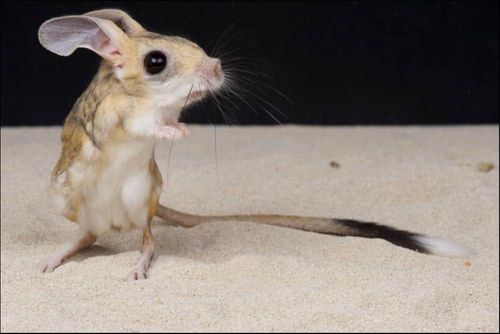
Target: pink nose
(217, 68)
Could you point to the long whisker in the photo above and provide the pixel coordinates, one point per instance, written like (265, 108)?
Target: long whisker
(215, 144)
(216, 156)
(266, 102)
(242, 61)
(172, 142)
(188, 96)
(168, 164)
(214, 49)
(255, 84)
(235, 94)
(252, 73)
(250, 84)
(234, 50)
(231, 90)
(210, 91)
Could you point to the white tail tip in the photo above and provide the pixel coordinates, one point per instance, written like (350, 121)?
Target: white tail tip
(443, 247)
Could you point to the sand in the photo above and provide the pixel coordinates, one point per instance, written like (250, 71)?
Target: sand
(232, 276)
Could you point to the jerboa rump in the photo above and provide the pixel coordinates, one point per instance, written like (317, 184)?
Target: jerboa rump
(342, 227)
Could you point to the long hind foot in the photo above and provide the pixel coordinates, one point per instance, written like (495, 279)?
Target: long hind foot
(148, 249)
(139, 272)
(52, 262)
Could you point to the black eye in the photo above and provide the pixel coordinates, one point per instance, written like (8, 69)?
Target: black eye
(155, 62)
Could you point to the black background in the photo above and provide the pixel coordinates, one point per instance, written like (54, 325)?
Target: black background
(339, 62)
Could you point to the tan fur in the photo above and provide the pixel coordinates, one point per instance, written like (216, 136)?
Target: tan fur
(97, 117)
(106, 176)
(89, 122)
(154, 199)
(313, 224)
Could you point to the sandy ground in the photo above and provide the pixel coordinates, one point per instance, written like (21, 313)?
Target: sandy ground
(245, 277)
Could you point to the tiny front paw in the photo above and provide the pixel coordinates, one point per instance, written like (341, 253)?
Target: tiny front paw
(172, 132)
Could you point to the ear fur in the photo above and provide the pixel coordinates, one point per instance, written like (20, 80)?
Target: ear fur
(120, 18)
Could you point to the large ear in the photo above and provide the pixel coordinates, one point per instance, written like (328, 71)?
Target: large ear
(62, 35)
(120, 18)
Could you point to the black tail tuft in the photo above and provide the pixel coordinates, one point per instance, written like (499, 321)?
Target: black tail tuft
(373, 230)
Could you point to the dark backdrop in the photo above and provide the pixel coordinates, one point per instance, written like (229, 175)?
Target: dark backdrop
(350, 62)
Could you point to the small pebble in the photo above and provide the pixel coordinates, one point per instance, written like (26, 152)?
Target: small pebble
(334, 164)
(485, 167)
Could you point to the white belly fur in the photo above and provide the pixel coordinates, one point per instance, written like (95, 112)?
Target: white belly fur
(115, 192)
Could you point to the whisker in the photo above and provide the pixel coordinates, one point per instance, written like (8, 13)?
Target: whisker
(234, 50)
(188, 96)
(225, 95)
(235, 94)
(208, 87)
(214, 49)
(241, 61)
(255, 83)
(172, 142)
(266, 102)
(252, 73)
(215, 146)
(216, 156)
(168, 165)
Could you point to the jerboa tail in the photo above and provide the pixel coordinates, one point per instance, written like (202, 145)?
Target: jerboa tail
(343, 227)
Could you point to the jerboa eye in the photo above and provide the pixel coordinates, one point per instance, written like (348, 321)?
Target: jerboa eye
(155, 62)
